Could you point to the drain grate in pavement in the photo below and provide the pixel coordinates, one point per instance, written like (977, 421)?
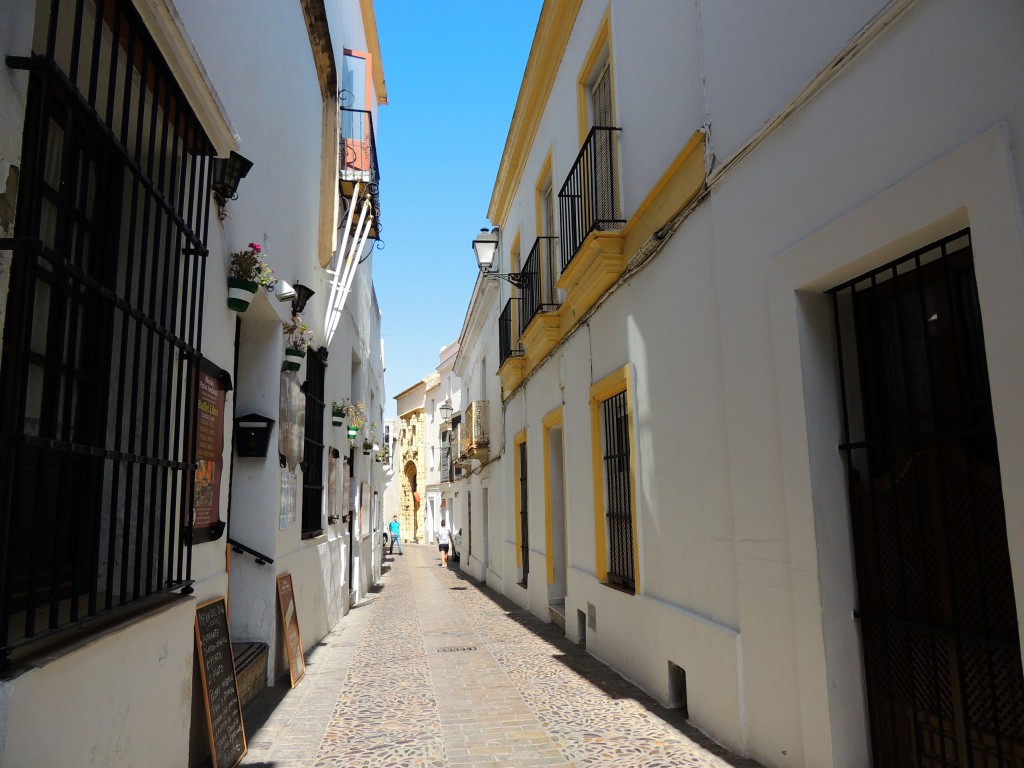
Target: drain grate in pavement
(456, 648)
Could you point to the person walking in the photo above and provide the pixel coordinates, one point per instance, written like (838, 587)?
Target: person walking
(444, 539)
(396, 536)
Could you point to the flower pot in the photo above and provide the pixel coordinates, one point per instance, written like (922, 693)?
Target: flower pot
(366, 449)
(240, 293)
(352, 432)
(293, 359)
(337, 419)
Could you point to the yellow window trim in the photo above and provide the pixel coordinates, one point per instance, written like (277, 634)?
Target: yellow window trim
(612, 384)
(373, 45)
(518, 440)
(544, 179)
(544, 63)
(600, 45)
(549, 422)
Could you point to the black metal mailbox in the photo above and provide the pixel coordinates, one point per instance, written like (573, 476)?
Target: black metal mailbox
(252, 435)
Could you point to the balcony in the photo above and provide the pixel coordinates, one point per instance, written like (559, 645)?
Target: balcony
(476, 443)
(540, 273)
(505, 334)
(589, 199)
(358, 161)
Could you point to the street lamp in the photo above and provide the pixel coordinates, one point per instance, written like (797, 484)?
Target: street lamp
(227, 172)
(485, 246)
(446, 410)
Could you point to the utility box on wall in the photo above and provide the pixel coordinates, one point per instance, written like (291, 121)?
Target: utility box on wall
(252, 435)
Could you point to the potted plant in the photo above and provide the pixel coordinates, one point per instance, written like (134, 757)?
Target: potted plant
(368, 444)
(337, 414)
(298, 337)
(246, 273)
(382, 455)
(356, 419)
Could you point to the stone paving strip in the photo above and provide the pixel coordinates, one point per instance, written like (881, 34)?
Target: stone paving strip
(435, 670)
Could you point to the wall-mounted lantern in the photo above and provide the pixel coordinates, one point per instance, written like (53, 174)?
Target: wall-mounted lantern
(252, 435)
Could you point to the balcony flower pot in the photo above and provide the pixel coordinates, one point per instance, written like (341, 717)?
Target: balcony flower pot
(367, 446)
(352, 432)
(246, 273)
(293, 359)
(337, 419)
(240, 293)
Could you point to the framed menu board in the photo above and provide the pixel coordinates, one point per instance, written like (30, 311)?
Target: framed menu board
(212, 385)
(290, 625)
(220, 689)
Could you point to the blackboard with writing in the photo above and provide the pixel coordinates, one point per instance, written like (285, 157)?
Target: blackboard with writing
(217, 669)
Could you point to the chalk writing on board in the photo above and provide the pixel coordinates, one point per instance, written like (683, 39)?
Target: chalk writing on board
(217, 669)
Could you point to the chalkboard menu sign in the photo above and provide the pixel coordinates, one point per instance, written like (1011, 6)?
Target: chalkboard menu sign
(217, 669)
(290, 623)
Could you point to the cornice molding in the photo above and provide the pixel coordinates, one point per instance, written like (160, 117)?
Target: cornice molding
(553, 30)
(165, 25)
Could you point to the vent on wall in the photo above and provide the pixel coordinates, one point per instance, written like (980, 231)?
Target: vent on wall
(677, 689)
(591, 616)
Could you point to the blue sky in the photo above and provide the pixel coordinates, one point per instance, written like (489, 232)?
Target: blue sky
(452, 72)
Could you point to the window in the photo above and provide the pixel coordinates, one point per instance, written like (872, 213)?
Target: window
(522, 511)
(103, 324)
(313, 449)
(615, 514)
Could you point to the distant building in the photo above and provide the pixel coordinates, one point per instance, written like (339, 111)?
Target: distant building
(425, 462)
(748, 364)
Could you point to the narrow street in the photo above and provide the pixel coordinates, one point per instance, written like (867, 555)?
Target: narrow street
(436, 670)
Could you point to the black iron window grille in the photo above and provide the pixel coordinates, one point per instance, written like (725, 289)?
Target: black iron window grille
(618, 490)
(537, 289)
(313, 447)
(524, 517)
(589, 199)
(506, 335)
(937, 610)
(103, 327)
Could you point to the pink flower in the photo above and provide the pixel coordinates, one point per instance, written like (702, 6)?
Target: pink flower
(256, 247)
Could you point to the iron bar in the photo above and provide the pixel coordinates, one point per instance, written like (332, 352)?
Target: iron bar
(97, 475)
(588, 199)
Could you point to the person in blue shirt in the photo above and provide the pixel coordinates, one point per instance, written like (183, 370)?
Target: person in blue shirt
(396, 536)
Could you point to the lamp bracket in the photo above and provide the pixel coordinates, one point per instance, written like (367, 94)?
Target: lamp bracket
(518, 279)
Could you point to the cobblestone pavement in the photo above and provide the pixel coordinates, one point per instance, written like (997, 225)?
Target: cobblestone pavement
(435, 670)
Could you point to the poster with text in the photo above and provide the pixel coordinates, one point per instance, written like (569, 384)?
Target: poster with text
(210, 398)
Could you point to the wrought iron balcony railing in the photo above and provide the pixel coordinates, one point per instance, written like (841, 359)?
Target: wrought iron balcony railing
(540, 273)
(358, 159)
(589, 198)
(505, 333)
(476, 432)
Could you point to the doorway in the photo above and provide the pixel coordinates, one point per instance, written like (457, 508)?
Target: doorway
(936, 606)
(557, 540)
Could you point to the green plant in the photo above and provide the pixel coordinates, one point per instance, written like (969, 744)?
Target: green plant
(357, 415)
(248, 265)
(298, 333)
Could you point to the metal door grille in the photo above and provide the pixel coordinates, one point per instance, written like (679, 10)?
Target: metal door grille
(524, 517)
(313, 449)
(937, 609)
(618, 491)
(103, 327)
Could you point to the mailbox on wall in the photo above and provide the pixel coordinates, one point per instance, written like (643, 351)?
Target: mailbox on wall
(252, 435)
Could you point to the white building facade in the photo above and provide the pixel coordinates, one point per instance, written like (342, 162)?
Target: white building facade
(753, 435)
(129, 490)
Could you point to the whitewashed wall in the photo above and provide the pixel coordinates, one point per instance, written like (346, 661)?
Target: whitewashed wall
(745, 564)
